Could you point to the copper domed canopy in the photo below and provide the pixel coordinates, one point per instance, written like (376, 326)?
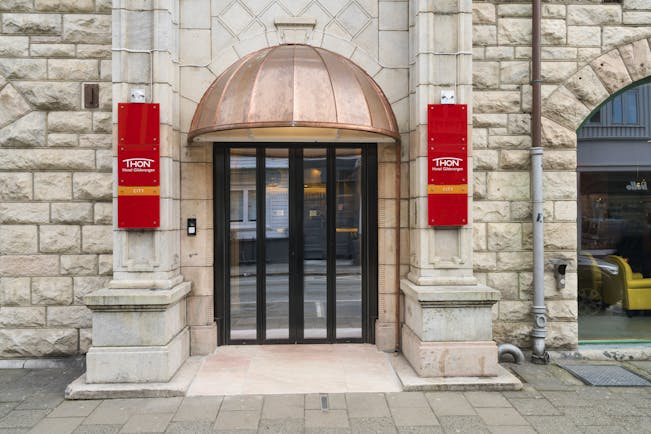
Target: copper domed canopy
(294, 93)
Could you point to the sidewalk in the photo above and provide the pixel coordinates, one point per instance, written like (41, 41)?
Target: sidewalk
(552, 401)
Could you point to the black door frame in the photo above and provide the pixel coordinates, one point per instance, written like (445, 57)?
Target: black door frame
(221, 199)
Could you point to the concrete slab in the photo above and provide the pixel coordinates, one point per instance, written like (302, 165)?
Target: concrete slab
(412, 382)
(177, 386)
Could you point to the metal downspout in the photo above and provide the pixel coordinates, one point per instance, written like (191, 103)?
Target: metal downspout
(539, 331)
(398, 343)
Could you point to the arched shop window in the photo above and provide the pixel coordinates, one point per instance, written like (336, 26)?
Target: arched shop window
(614, 216)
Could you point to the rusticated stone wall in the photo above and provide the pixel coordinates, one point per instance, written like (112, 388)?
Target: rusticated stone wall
(590, 50)
(55, 172)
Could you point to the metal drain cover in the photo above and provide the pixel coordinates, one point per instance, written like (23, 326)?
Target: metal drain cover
(606, 375)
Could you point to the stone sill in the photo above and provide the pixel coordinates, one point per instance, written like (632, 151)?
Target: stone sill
(450, 294)
(138, 299)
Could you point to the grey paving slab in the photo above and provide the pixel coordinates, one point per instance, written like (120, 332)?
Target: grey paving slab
(416, 416)
(636, 424)
(449, 404)
(367, 405)
(406, 399)
(283, 407)
(41, 401)
(328, 431)
(326, 419)
(372, 425)
(600, 429)
(6, 407)
(147, 423)
(501, 429)
(487, 399)
(553, 424)
(588, 416)
(533, 406)
(114, 411)
(336, 401)
(198, 408)
(420, 429)
(242, 403)
(567, 399)
(548, 377)
(22, 418)
(75, 408)
(232, 420)
(97, 429)
(194, 427)
(160, 405)
(13, 430)
(501, 416)
(285, 426)
(63, 425)
(617, 408)
(463, 424)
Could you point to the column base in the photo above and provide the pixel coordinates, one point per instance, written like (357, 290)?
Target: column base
(449, 359)
(203, 339)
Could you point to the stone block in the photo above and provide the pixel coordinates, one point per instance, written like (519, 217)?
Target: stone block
(505, 282)
(559, 53)
(15, 291)
(102, 122)
(97, 239)
(489, 211)
(484, 35)
(559, 159)
(85, 340)
(553, 11)
(612, 71)
(500, 53)
(95, 141)
(37, 342)
(103, 213)
(27, 131)
(557, 136)
(478, 236)
(52, 290)
(514, 310)
(393, 16)
(87, 29)
(15, 186)
(155, 364)
(14, 46)
(51, 95)
(394, 82)
(104, 160)
(83, 285)
(508, 186)
(559, 185)
(24, 213)
(200, 310)
(60, 140)
(514, 159)
(485, 159)
(29, 265)
(583, 36)
(504, 236)
(202, 279)
(14, 105)
(65, 5)
(565, 210)
(105, 264)
(72, 212)
(553, 32)
(514, 72)
(509, 142)
(22, 317)
(587, 86)
(31, 24)
(563, 107)
(79, 265)
(23, 69)
(53, 186)
(59, 239)
(69, 122)
(637, 57)
(560, 236)
(47, 159)
(193, 14)
(52, 50)
(485, 75)
(68, 316)
(594, 15)
(514, 261)
(562, 335)
(203, 339)
(514, 31)
(18, 239)
(73, 69)
(92, 186)
(496, 101)
(102, 51)
(614, 36)
(557, 72)
(483, 13)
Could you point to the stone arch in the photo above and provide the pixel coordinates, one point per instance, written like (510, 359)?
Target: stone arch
(20, 125)
(565, 108)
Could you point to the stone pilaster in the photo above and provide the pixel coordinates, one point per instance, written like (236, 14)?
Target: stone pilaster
(447, 329)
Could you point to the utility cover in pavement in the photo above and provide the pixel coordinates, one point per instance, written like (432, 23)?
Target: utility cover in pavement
(606, 375)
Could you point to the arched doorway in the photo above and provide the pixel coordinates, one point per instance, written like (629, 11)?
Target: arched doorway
(295, 130)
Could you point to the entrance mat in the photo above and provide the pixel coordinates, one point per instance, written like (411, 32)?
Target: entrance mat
(606, 375)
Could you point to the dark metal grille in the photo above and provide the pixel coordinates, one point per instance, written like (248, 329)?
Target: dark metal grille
(606, 375)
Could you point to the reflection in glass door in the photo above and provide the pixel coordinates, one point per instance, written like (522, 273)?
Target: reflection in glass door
(299, 242)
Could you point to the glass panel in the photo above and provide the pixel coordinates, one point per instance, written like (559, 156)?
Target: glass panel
(277, 242)
(614, 259)
(617, 110)
(315, 247)
(596, 118)
(630, 107)
(349, 238)
(242, 247)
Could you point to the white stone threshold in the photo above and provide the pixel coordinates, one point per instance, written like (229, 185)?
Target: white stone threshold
(411, 382)
(177, 386)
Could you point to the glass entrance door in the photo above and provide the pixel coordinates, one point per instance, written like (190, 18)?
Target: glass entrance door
(296, 261)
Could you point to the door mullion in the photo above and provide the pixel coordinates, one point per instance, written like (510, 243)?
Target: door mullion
(261, 271)
(296, 294)
(331, 234)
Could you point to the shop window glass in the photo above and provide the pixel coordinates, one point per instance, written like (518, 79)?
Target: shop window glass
(237, 206)
(624, 108)
(596, 118)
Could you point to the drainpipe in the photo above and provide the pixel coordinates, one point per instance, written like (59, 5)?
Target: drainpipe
(539, 332)
(397, 273)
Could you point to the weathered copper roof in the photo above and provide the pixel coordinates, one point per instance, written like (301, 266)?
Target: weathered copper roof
(294, 92)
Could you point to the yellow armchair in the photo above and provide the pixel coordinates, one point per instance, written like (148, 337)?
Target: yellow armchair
(636, 290)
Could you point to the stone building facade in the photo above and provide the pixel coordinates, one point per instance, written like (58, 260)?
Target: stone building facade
(58, 237)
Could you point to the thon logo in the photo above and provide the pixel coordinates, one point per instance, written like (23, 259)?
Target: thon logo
(447, 162)
(143, 163)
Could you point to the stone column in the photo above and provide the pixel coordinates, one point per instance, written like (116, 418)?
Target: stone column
(139, 322)
(447, 328)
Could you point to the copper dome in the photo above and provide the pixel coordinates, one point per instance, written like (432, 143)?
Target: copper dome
(294, 93)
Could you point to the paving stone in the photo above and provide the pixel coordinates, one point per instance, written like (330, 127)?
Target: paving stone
(553, 424)
(283, 407)
(281, 425)
(237, 420)
(449, 404)
(588, 416)
(6, 407)
(487, 399)
(198, 408)
(371, 425)
(546, 377)
(242, 403)
(147, 423)
(567, 399)
(336, 401)
(22, 418)
(196, 427)
(463, 424)
(501, 416)
(326, 419)
(41, 402)
(114, 411)
(328, 431)
(367, 405)
(533, 406)
(406, 399)
(420, 429)
(63, 425)
(417, 416)
(13, 430)
(75, 408)
(160, 405)
(635, 424)
(594, 429)
(97, 429)
(512, 430)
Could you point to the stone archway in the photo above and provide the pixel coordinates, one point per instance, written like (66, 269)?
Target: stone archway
(20, 125)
